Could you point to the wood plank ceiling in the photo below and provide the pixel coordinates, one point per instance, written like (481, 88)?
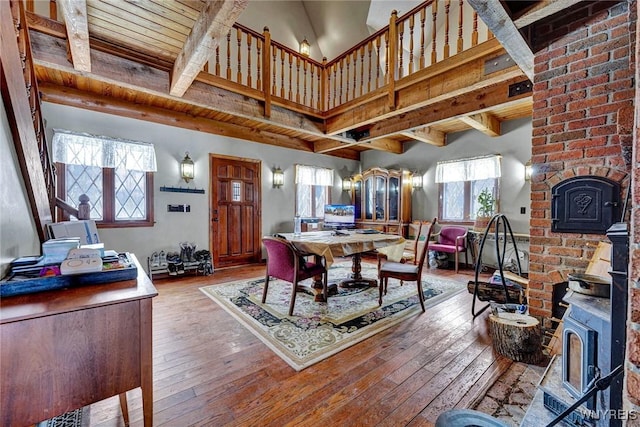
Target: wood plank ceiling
(143, 58)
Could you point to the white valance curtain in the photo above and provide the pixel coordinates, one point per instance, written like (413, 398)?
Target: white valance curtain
(312, 175)
(93, 150)
(471, 169)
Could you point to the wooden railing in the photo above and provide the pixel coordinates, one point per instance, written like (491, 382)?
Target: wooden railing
(251, 64)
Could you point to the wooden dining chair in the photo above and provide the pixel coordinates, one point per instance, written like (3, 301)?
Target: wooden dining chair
(405, 272)
(286, 263)
(410, 252)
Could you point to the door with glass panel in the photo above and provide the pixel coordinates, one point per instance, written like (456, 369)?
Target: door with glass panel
(235, 211)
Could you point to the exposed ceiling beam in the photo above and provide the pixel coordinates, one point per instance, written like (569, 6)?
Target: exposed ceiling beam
(493, 13)
(214, 23)
(484, 122)
(88, 101)
(75, 18)
(427, 135)
(541, 10)
(382, 144)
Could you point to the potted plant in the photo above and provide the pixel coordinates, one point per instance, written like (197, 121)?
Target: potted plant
(486, 201)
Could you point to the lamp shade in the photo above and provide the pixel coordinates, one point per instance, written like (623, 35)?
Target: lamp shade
(278, 178)
(346, 184)
(416, 180)
(187, 170)
(528, 169)
(305, 47)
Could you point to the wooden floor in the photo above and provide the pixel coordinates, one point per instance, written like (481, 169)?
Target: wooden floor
(210, 371)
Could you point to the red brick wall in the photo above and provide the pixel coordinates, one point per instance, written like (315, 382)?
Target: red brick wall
(582, 125)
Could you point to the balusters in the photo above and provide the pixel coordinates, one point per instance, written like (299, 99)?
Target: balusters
(369, 47)
(386, 56)
(355, 74)
(434, 27)
(400, 50)
(474, 33)
(378, 66)
(249, 60)
(304, 81)
(423, 17)
(275, 55)
(411, 25)
(460, 17)
(341, 82)
(217, 68)
(258, 63)
(229, 55)
(298, 79)
(290, 78)
(239, 70)
(335, 83)
(348, 67)
(447, 5)
(282, 72)
(322, 90)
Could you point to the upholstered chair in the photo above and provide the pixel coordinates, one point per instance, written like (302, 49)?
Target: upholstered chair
(452, 239)
(406, 272)
(286, 263)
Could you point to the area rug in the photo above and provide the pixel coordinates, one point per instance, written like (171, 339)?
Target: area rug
(319, 330)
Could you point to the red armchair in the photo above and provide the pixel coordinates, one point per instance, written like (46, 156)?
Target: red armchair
(286, 263)
(452, 239)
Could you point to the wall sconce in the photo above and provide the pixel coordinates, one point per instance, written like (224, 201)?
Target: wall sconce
(528, 169)
(346, 184)
(305, 47)
(416, 180)
(278, 177)
(187, 171)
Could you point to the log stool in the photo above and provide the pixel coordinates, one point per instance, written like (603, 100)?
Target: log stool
(516, 336)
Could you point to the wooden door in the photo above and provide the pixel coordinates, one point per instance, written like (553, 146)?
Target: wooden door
(235, 211)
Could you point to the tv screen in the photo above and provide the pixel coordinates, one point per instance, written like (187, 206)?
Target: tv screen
(337, 215)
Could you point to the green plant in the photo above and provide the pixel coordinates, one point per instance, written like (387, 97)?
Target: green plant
(486, 202)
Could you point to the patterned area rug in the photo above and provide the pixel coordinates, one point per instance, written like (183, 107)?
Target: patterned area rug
(319, 330)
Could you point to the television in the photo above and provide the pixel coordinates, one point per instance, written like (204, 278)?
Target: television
(339, 216)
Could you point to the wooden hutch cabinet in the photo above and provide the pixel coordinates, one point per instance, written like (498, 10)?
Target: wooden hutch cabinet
(382, 199)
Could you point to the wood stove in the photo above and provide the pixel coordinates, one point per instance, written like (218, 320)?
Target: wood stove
(584, 204)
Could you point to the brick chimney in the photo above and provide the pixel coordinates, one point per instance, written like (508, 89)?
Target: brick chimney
(583, 124)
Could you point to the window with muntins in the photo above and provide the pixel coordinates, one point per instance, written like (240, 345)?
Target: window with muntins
(461, 181)
(116, 175)
(312, 190)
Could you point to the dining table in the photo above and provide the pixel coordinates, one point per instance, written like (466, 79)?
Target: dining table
(343, 243)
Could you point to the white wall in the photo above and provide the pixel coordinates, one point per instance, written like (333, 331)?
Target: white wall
(278, 205)
(18, 232)
(514, 144)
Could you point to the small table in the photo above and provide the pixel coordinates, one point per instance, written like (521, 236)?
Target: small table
(64, 349)
(330, 245)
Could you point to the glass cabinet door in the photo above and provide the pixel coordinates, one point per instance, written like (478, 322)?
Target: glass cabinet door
(368, 198)
(357, 197)
(380, 198)
(394, 198)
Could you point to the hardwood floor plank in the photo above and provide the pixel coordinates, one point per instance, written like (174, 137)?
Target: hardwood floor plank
(209, 370)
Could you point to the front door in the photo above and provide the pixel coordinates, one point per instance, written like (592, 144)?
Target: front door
(235, 211)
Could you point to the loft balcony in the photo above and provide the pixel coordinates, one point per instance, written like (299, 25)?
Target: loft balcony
(435, 70)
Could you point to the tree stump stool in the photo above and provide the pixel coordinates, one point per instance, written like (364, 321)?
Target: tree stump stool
(517, 336)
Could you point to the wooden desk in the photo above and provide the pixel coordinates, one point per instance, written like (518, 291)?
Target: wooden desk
(64, 349)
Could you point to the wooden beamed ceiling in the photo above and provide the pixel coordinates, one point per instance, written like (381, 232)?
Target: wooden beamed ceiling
(459, 93)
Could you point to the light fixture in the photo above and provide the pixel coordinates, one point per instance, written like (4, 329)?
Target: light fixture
(528, 169)
(416, 180)
(186, 168)
(346, 184)
(305, 47)
(278, 177)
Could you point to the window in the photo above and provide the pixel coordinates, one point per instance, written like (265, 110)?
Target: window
(460, 183)
(116, 175)
(312, 190)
